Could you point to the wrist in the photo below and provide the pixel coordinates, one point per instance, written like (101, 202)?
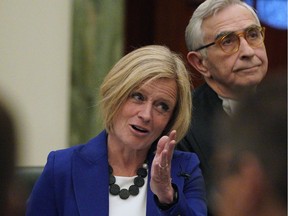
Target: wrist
(166, 196)
(165, 206)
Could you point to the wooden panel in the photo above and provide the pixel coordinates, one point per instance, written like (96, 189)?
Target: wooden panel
(276, 46)
(139, 19)
(171, 19)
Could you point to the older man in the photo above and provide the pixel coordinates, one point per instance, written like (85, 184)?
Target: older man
(226, 45)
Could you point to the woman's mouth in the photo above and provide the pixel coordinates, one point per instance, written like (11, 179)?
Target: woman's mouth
(139, 129)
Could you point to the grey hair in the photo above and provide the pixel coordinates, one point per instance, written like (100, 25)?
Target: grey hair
(194, 34)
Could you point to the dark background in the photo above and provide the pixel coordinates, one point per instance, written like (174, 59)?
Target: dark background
(164, 22)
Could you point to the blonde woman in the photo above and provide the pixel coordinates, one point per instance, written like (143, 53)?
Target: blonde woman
(131, 167)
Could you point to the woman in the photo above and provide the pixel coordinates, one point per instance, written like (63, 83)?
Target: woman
(130, 168)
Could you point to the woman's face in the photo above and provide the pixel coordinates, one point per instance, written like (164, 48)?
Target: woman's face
(145, 114)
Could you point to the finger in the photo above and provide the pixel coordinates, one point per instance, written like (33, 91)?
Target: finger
(172, 135)
(162, 144)
(171, 139)
(163, 164)
(171, 144)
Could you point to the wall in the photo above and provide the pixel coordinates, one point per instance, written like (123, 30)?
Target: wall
(34, 73)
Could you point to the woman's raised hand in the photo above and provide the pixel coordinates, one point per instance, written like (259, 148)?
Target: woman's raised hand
(161, 169)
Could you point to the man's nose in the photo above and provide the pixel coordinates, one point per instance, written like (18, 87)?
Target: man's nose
(245, 49)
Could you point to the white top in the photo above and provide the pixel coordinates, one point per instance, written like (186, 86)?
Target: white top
(134, 205)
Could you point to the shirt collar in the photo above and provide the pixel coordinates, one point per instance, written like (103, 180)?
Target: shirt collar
(229, 105)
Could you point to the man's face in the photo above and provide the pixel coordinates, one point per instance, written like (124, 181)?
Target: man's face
(231, 74)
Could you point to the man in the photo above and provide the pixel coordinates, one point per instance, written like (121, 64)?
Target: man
(226, 45)
(250, 163)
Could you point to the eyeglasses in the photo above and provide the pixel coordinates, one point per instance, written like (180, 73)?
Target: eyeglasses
(229, 42)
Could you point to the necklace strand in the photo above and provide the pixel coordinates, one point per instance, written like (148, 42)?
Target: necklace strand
(133, 190)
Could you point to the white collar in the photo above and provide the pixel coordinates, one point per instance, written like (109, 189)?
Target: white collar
(229, 105)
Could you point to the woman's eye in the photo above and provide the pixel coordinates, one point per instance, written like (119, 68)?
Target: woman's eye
(163, 107)
(137, 96)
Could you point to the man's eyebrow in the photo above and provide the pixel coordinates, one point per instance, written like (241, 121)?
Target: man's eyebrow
(221, 34)
(252, 26)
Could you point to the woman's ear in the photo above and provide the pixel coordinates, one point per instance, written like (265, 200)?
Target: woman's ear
(198, 62)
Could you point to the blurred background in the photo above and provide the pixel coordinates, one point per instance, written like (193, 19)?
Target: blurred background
(54, 55)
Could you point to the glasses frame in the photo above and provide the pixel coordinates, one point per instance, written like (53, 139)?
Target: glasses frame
(239, 34)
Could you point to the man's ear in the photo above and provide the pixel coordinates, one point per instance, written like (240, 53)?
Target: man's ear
(196, 60)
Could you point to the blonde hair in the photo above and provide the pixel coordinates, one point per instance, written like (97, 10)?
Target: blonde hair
(144, 65)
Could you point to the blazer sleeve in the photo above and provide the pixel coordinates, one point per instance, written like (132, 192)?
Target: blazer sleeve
(42, 198)
(191, 191)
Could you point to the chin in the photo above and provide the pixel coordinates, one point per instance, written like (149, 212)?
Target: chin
(252, 81)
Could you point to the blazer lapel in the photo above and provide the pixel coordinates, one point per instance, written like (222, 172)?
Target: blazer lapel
(151, 208)
(90, 177)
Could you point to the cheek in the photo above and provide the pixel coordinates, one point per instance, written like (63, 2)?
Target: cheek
(220, 69)
(123, 114)
(263, 57)
(127, 109)
(160, 122)
(220, 64)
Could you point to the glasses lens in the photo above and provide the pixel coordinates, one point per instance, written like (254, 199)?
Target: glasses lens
(229, 43)
(254, 36)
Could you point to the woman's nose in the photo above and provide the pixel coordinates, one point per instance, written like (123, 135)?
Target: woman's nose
(145, 112)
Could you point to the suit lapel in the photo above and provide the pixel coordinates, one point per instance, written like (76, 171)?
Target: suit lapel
(207, 104)
(90, 177)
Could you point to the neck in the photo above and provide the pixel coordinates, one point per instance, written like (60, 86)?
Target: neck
(125, 161)
(231, 93)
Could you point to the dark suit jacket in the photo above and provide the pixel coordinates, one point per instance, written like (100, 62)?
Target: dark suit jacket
(75, 182)
(199, 139)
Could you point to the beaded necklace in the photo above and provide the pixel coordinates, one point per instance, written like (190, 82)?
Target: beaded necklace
(133, 190)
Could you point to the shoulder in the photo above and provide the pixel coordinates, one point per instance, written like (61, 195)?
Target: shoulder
(59, 162)
(64, 155)
(88, 150)
(204, 91)
(205, 99)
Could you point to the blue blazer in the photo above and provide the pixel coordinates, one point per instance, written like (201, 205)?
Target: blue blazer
(75, 182)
